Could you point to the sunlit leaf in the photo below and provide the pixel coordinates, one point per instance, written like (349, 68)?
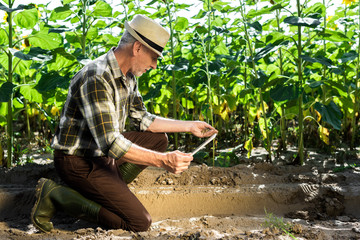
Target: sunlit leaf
(324, 134)
(31, 94)
(60, 13)
(27, 18)
(102, 9)
(181, 24)
(45, 40)
(265, 10)
(334, 36)
(3, 37)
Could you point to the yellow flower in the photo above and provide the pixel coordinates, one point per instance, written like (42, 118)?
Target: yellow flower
(348, 2)
(5, 17)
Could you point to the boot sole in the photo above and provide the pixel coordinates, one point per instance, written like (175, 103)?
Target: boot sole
(38, 193)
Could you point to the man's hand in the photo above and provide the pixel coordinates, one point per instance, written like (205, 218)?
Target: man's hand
(201, 129)
(177, 162)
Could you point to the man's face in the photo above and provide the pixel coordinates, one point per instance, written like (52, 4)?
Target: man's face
(145, 60)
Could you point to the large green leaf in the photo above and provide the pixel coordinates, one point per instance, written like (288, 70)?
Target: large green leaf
(330, 113)
(27, 18)
(282, 93)
(60, 13)
(31, 94)
(305, 22)
(102, 9)
(5, 91)
(45, 40)
(50, 81)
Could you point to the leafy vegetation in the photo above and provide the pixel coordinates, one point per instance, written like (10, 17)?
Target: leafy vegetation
(262, 72)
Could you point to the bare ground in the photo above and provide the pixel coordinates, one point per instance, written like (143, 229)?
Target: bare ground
(311, 201)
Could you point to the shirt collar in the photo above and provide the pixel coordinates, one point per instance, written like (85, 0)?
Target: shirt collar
(116, 68)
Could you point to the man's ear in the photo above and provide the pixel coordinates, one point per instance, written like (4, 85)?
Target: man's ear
(136, 48)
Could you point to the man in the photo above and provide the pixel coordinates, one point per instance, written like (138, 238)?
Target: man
(93, 155)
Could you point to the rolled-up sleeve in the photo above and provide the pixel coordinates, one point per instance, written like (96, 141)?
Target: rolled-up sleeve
(97, 107)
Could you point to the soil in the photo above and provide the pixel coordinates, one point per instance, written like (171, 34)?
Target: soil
(252, 200)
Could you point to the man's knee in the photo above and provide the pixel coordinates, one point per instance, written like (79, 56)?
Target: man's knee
(143, 224)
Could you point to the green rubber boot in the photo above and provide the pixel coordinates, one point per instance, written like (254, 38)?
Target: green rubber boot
(51, 197)
(129, 171)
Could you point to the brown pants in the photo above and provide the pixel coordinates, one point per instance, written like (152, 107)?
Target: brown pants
(98, 179)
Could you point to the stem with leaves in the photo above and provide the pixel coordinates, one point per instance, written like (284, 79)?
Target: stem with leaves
(248, 40)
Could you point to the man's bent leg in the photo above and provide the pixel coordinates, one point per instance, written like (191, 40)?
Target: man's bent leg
(98, 179)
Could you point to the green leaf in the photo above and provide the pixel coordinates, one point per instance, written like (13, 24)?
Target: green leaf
(334, 36)
(20, 7)
(266, 10)
(320, 59)
(330, 113)
(265, 51)
(154, 91)
(349, 56)
(64, 2)
(261, 80)
(5, 91)
(305, 22)
(256, 25)
(284, 93)
(27, 18)
(316, 8)
(221, 49)
(60, 13)
(102, 9)
(50, 81)
(3, 37)
(34, 54)
(45, 40)
(181, 24)
(31, 94)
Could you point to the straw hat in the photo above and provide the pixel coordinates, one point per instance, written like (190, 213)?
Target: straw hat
(148, 32)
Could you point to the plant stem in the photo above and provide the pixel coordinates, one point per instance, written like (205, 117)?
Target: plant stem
(300, 76)
(10, 134)
(282, 115)
(356, 99)
(173, 82)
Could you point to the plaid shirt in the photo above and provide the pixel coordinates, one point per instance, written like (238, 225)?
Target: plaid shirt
(100, 99)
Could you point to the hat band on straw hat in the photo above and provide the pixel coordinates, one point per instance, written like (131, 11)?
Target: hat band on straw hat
(148, 41)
